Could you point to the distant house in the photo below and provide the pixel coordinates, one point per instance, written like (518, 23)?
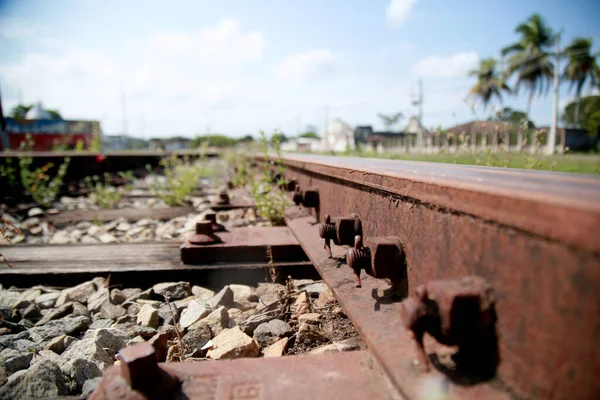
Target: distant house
(379, 141)
(122, 142)
(170, 144)
(575, 139)
(301, 145)
(338, 136)
(46, 132)
(484, 133)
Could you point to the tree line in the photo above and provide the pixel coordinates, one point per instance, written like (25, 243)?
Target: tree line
(532, 61)
(19, 111)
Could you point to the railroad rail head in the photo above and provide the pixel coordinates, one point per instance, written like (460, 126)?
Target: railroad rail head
(532, 236)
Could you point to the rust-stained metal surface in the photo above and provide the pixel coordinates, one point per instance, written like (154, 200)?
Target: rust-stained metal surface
(456, 312)
(351, 375)
(375, 313)
(241, 244)
(560, 206)
(533, 236)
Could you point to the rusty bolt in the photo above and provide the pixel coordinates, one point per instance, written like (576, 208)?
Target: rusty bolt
(138, 365)
(358, 258)
(381, 258)
(141, 372)
(275, 177)
(204, 234)
(341, 231)
(310, 198)
(297, 197)
(212, 217)
(456, 312)
(290, 185)
(223, 197)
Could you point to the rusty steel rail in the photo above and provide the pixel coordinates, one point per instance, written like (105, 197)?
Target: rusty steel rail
(352, 375)
(532, 236)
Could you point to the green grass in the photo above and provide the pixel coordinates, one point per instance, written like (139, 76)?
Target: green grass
(579, 163)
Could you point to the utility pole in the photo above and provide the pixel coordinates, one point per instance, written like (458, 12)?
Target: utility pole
(418, 102)
(3, 134)
(123, 112)
(325, 127)
(551, 145)
(124, 120)
(420, 135)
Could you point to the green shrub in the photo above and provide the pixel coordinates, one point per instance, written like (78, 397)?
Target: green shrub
(270, 200)
(102, 194)
(181, 179)
(38, 182)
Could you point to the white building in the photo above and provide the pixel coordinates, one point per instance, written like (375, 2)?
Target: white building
(338, 136)
(37, 112)
(301, 145)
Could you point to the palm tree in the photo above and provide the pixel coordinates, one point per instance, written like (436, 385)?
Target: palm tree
(530, 58)
(490, 84)
(582, 66)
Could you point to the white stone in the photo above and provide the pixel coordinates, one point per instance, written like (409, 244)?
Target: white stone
(76, 234)
(123, 226)
(144, 222)
(244, 293)
(148, 316)
(217, 320)
(60, 237)
(95, 230)
(202, 293)
(79, 293)
(233, 343)
(89, 240)
(195, 311)
(17, 239)
(135, 230)
(107, 238)
(346, 345)
(90, 350)
(34, 212)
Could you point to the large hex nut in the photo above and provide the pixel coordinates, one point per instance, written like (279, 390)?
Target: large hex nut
(465, 306)
(310, 198)
(387, 258)
(347, 228)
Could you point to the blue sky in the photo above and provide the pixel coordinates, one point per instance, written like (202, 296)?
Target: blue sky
(189, 67)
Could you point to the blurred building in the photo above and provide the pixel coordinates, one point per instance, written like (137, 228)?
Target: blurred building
(170, 144)
(48, 133)
(305, 145)
(403, 140)
(122, 142)
(338, 136)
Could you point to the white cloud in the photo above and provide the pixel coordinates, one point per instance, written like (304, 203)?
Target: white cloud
(311, 64)
(405, 46)
(165, 75)
(223, 43)
(12, 28)
(398, 11)
(444, 67)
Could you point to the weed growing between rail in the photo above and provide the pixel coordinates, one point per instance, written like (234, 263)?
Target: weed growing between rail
(104, 195)
(37, 182)
(181, 179)
(270, 201)
(4, 225)
(241, 168)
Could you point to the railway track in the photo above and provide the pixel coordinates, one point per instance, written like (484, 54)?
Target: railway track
(466, 282)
